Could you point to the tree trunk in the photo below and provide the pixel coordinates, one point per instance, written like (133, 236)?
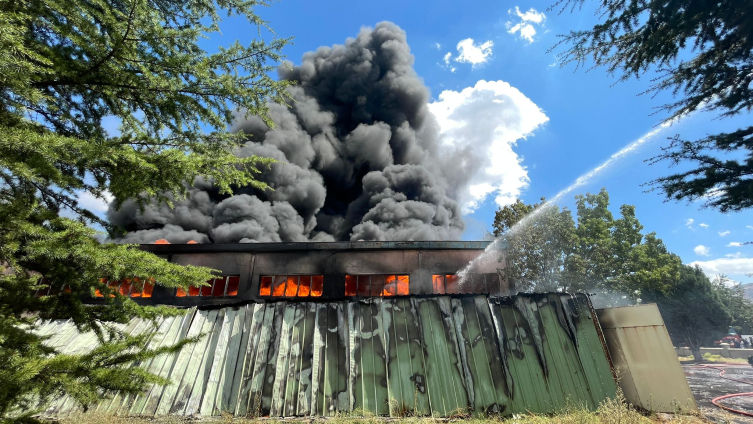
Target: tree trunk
(696, 353)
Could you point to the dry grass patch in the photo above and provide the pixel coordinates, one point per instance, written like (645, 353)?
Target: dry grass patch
(719, 358)
(609, 412)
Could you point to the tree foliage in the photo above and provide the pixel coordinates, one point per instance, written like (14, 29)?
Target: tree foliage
(537, 248)
(693, 311)
(64, 68)
(614, 259)
(740, 308)
(702, 52)
(548, 251)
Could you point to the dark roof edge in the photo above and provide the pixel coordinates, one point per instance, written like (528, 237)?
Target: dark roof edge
(303, 246)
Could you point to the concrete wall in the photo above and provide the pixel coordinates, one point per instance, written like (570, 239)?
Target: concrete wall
(726, 352)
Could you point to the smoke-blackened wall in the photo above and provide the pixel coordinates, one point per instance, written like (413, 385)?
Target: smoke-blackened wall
(357, 147)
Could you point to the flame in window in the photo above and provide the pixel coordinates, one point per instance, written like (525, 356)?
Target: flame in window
(291, 285)
(377, 285)
(225, 286)
(133, 287)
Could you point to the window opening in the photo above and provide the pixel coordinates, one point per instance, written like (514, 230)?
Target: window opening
(224, 286)
(291, 285)
(446, 284)
(129, 287)
(377, 285)
(49, 289)
(304, 285)
(476, 283)
(291, 289)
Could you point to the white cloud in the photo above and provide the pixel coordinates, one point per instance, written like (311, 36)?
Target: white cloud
(734, 244)
(89, 201)
(735, 255)
(689, 223)
(479, 126)
(726, 266)
(723, 233)
(446, 59)
(526, 23)
(750, 227)
(701, 250)
(469, 52)
(437, 46)
(703, 225)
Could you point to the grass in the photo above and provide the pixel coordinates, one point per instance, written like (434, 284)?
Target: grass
(719, 358)
(611, 411)
(708, 357)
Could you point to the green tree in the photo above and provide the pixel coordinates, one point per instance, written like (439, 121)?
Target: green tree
(536, 248)
(615, 260)
(651, 269)
(591, 262)
(739, 307)
(64, 67)
(701, 51)
(693, 311)
(548, 252)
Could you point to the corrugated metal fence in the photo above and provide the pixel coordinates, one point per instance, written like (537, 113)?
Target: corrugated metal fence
(437, 356)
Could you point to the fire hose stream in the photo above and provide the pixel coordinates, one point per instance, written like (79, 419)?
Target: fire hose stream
(716, 400)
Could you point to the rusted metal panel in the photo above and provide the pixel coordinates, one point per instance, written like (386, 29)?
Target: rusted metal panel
(433, 355)
(649, 373)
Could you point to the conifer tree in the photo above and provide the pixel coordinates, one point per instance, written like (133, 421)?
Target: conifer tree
(702, 52)
(65, 66)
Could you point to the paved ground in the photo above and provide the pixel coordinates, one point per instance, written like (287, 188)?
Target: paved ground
(706, 385)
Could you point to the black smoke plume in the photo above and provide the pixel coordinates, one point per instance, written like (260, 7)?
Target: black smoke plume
(358, 152)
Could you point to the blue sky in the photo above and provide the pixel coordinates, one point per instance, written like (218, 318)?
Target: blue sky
(568, 122)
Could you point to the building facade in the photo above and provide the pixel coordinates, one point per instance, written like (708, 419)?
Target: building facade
(385, 328)
(329, 271)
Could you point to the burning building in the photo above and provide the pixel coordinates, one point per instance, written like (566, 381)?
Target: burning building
(315, 329)
(314, 312)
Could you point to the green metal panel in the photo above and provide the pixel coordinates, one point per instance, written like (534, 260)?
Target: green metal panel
(172, 333)
(282, 362)
(205, 366)
(433, 355)
(240, 386)
(227, 398)
(356, 360)
(252, 403)
(168, 362)
(155, 341)
(381, 393)
(307, 355)
(290, 400)
(416, 347)
(214, 379)
(177, 404)
(269, 365)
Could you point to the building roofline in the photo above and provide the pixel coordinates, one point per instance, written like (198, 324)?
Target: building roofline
(309, 246)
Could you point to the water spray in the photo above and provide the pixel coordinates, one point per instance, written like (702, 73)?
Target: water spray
(497, 245)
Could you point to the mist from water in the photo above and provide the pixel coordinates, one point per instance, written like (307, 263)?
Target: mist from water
(491, 253)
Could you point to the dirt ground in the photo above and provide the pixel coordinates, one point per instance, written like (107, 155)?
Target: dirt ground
(706, 384)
